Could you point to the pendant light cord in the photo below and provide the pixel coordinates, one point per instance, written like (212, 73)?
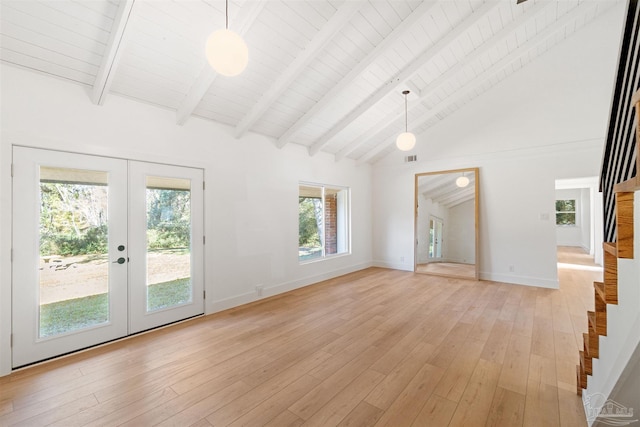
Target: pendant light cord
(405, 112)
(226, 14)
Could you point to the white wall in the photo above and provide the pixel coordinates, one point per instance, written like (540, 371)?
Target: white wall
(586, 222)
(251, 195)
(545, 122)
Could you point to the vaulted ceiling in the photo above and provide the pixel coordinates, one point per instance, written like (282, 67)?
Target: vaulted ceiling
(327, 75)
(441, 188)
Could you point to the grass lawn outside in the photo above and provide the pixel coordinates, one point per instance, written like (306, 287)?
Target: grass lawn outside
(78, 313)
(167, 294)
(305, 254)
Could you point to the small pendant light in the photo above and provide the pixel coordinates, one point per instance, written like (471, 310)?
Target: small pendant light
(226, 51)
(406, 140)
(462, 181)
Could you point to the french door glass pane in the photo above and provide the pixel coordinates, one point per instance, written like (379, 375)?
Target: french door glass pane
(74, 266)
(168, 242)
(438, 239)
(432, 238)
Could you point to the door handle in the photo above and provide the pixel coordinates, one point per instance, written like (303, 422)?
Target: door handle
(120, 260)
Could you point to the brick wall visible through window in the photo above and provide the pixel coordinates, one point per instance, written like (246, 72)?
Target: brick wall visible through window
(330, 223)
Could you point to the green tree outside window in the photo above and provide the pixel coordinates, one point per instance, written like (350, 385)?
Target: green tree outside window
(565, 212)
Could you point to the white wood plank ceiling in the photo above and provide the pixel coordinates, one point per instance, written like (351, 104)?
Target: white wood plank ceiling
(442, 188)
(327, 75)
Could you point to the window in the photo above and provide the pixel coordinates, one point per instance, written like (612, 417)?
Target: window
(323, 221)
(565, 212)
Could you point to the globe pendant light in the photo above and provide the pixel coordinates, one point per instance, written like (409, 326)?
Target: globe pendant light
(462, 181)
(226, 51)
(406, 140)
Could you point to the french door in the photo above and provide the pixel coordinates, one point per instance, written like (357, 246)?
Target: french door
(435, 238)
(102, 248)
(165, 244)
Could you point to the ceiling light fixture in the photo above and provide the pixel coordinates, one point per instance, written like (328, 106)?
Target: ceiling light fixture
(226, 51)
(406, 140)
(462, 181)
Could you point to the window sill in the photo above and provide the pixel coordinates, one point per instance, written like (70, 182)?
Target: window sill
(325, 258)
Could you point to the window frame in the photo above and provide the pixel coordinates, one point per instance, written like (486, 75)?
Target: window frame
(574, 212)
(343, 212)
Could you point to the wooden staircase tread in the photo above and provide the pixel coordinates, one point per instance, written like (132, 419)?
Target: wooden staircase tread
(585, 341)
(599, 288)
(591, 315)
(578, 385)
(610, 272)
(610, 247)
(630, 185)
(601, 323)
(600, 303)
(586, 361)
(593, 344)
(583, 374)
(635, 98)
(624, 224)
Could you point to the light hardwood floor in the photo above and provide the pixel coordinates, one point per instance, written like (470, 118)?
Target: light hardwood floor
(377, 347)
(450, 269)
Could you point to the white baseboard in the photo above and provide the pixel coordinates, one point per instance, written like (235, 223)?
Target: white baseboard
(238, 300)
(227, 303)
(520, 280)
(504, 278)
(393, 266)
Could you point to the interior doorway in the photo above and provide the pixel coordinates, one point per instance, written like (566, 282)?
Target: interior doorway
(578, 215)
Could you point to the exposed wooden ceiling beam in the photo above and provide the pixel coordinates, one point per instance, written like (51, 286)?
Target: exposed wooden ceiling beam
(403, 75)
(381, 49)
(433, 182)
(452, 193)
(317, 44)
(437, 83)
(444, 188)
(541, 39)
(196, 92)
(447, 193)
(207, 75)
(112, 53)
(458, 198)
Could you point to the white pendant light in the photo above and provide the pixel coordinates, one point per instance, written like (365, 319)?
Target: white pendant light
(226, 51)
(406, 140)
(462, 181)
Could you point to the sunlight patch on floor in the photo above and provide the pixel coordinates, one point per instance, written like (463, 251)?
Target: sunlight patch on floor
(579, 267)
